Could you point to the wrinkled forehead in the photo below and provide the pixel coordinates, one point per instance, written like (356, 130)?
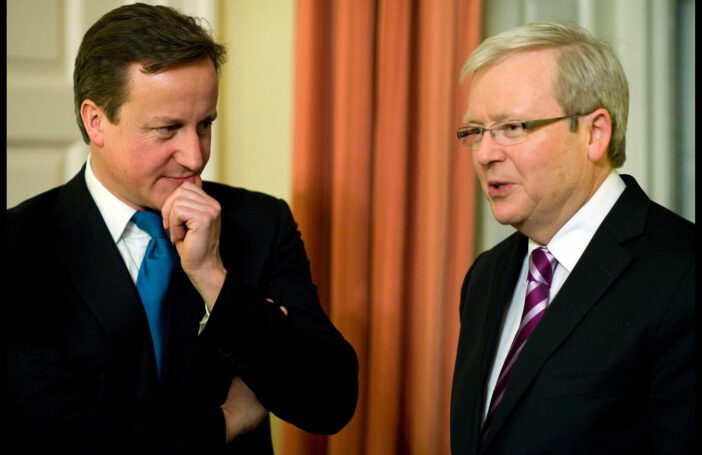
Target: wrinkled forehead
(520, 86)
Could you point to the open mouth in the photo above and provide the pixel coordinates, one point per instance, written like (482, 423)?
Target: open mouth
(498, 189)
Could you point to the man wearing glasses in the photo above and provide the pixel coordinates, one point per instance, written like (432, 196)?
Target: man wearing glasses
(577, 332)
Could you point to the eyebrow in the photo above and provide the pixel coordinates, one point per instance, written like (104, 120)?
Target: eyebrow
(170, 120)
(494, 119)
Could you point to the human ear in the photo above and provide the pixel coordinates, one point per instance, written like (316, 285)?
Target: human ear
(600, 128)
(93, 117)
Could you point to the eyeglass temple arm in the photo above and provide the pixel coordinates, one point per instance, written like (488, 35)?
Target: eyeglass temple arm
(461, 133)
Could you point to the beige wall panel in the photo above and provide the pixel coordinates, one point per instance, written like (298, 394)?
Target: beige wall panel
(25, 18)
(255, 103)
(41, 113)
(42, 136)
(32, 170)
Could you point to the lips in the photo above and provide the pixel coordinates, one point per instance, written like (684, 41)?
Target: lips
(499, 188)
(185, 178)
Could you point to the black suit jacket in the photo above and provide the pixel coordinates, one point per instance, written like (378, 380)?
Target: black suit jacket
(80, 368)
(609, 368)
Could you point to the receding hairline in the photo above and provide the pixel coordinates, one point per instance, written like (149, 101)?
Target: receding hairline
(505, 54)
(553, 72)
(140, 67)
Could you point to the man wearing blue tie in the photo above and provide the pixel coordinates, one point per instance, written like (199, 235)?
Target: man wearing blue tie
(577, 331)
(159, 313)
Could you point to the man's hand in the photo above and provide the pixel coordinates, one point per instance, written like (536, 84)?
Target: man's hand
(242, 411)
(193, 218)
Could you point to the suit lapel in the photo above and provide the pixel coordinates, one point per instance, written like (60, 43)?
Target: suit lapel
(601, 264)
(501, 290)
(487, 327)
(93, 262)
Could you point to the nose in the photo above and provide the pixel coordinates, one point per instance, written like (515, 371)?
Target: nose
(192, 151)
(488, 150)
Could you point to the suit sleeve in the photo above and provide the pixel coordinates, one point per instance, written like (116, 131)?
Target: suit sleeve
(299, 366)
(671, 408)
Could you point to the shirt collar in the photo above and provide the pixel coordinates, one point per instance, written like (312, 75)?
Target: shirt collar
(570, 241)
(116, 213)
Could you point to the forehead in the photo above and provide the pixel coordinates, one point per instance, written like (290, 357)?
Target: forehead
(199, 74)
(518, 87)
(182, 91)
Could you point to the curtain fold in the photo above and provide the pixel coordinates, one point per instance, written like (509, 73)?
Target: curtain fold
(384, 196)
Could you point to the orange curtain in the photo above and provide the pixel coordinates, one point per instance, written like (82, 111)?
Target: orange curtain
(384, 196)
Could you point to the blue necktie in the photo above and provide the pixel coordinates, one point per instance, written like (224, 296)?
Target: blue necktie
(154, 275)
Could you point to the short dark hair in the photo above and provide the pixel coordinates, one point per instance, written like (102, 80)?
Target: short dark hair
(159, 37)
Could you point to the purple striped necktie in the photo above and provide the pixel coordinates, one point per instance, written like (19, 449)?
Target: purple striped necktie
(541, 267)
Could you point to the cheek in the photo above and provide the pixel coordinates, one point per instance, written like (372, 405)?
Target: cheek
(478, 169)
(143, 167)
(150, 155)
(538, 173)
(205, 143)
(554, 172)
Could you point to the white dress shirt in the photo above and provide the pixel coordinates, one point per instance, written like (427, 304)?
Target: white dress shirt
(567, 246)
(131, 241)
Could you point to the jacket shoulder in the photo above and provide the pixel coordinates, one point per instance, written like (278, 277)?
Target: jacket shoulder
(33, 213)
(250, 215)
(666, 238)
(236, 198)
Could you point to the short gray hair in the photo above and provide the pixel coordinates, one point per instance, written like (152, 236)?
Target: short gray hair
(590, 75)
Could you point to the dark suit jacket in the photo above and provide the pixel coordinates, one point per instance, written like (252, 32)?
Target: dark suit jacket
(80, 367)
(609, 368)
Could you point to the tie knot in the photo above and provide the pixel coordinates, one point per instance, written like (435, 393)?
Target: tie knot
(541, 266)
(151, 223)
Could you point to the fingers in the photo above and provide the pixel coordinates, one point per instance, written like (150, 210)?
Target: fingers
(192, 215)
(282, 308)
(193, 218)
(242, 410)
(188, 207)
(239, 391)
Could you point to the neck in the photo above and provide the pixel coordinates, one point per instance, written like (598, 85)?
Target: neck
(542, 232)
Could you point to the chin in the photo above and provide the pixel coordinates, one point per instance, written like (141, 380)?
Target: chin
(153, 203)
(510, 219)
(501, 215)
(505, 221)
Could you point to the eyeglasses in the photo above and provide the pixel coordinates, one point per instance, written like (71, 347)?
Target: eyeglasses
(509, 132)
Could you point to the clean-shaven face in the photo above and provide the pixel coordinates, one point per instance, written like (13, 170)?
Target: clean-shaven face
(162, 134)
(536, 184)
